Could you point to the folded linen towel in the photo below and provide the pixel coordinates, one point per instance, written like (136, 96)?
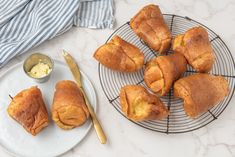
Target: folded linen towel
(27, 23)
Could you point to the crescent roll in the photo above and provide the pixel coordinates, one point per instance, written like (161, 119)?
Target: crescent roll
(120, 55)
(28, 109)
(200, 92)
(150, 26)
(162, 71)
(196, 48)
(69, 109)
(138, 104)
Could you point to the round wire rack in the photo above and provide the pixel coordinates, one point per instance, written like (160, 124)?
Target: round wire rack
(177, 122)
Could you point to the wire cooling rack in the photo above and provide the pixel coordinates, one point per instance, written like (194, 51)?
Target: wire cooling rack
(177, 122)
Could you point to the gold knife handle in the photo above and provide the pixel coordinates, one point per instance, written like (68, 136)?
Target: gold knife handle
(76, 73)
(99, 131)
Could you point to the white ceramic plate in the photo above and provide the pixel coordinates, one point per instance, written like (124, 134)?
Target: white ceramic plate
(52, 141)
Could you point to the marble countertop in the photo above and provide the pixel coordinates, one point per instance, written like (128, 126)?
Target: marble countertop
(125, 138)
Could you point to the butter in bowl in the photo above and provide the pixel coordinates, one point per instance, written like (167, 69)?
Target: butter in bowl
(38, 67)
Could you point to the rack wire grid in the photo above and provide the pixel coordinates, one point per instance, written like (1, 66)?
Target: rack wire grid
(177, 122)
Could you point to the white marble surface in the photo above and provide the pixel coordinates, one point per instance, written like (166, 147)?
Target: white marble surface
(125, 138)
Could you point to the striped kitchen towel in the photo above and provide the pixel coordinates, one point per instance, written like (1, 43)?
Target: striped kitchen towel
(27, 23)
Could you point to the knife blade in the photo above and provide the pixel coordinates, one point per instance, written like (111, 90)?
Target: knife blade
(76, 73)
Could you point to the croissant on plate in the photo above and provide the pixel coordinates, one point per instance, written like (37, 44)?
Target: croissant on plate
(150, 26)
(120, 55)
(200, 92)
(196, 48)
(28, 109)
(138, 104)
(161, 72)
(69, 109)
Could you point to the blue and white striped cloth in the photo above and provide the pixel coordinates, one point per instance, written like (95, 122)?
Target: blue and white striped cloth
(27, 23)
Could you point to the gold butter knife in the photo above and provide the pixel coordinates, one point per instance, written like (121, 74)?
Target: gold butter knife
(76, 73)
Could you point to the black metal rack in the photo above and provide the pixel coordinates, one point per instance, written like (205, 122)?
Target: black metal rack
(177, 121)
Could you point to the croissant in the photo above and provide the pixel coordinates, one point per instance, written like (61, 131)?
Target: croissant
(120, 55)
(200, 92)
(28, 109)
(162, 71)
(69, 109)
(196, 48)
(138, 104)
(150, 26)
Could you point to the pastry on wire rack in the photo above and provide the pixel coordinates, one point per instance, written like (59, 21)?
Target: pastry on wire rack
(150, 26)
(194, 44)
(200, 92)
(161, 72)
(120, 55)
(138, 104)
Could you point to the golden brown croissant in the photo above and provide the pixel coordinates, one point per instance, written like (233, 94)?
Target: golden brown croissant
(69, 109)
(162, 71)
(200, 92)
(196, 48)
(28, 109)
(138, 104)
(120, 55)
(150, 26)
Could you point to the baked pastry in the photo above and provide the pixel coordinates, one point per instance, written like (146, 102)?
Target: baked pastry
(69, 109)
(28, 109)
(162, 71)
(196, 48)
(200, 92)
(150, 26)
(138, 104)
(120, 55)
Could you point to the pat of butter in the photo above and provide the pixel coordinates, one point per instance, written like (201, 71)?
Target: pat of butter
(40, 70)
